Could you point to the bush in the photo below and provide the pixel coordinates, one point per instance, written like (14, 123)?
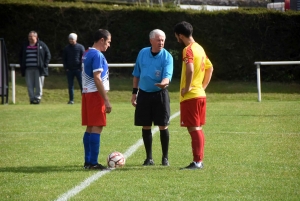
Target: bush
(233, 39)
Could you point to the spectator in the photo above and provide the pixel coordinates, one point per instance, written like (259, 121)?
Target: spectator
(34, 59)
(73, 64)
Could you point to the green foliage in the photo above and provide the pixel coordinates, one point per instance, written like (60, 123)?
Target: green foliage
(233, 39)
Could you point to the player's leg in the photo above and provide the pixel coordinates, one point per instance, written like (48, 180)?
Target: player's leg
(96, 119)
(87, 149)
(197, 143)
(95, 139)
(193, 117)
(86, 135)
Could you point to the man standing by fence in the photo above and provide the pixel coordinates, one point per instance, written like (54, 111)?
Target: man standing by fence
(72, 61)
(34, 59)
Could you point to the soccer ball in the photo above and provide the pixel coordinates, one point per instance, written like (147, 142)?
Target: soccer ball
(115, 160)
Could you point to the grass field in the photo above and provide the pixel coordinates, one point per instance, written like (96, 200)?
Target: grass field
(252, 149)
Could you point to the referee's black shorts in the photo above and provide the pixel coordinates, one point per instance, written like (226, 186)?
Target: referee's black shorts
(152, 107)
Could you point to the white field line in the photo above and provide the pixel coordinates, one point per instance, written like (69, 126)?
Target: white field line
(72, 192)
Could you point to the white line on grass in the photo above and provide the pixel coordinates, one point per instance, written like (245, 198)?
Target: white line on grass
(72, 192)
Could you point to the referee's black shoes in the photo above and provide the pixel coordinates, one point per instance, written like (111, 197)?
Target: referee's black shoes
(165, 162)
(148, 162)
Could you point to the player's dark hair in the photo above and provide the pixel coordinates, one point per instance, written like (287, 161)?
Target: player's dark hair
(184, 28)
(101, 33)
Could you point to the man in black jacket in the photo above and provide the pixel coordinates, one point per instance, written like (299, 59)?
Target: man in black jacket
(72, 60)
(34, 59)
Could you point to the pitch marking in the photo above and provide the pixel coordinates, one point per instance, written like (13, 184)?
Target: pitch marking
(72, 192)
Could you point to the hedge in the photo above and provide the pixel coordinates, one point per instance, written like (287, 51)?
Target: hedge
(233, 39)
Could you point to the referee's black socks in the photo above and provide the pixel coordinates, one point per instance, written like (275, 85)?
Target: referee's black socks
(147, 138)
(164, 140)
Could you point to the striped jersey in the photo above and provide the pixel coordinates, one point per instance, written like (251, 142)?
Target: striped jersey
(93, 60)
(194, 53)
(31, 56)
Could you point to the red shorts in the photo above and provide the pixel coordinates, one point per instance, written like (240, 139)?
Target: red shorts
(192, 112)
(93, 110)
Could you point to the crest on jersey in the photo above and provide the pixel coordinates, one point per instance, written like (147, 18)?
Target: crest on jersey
(157, 73)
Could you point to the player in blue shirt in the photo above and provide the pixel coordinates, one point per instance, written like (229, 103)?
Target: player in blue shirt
(95, 102)
(151, 75)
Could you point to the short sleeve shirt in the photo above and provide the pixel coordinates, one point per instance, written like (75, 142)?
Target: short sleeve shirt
(93, 60)
(195, 54)
(152, 69)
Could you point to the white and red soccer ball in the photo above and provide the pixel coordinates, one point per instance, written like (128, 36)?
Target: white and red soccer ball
(115, 160)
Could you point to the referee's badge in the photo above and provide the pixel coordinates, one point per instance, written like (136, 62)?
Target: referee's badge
(157, 73)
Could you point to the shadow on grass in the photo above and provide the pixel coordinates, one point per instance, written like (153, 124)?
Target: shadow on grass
(42, 169)
(133, 167)
(74, 168)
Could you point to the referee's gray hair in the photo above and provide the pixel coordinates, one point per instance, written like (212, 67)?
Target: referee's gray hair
(156, 32)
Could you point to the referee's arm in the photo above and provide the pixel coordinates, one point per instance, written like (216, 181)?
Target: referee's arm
(135, 85)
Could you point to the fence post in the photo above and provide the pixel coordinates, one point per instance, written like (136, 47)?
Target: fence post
(13, 84)
(258, 82)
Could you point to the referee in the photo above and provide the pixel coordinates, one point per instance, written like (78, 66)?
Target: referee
(151, 75)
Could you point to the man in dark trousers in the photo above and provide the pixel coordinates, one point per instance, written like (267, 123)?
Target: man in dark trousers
(72, 61)
(34, 59)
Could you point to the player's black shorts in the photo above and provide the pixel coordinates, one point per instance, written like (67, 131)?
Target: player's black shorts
(152, 107)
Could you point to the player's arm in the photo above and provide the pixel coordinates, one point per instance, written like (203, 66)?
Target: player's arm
(207, 77)
(102, 91)
(135, 85)
(188, 80)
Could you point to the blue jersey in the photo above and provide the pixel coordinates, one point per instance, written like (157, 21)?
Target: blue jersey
(93, 60)
(152, 69)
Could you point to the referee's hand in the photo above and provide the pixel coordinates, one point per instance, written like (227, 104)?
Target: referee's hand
(133, 100)
(162, 86)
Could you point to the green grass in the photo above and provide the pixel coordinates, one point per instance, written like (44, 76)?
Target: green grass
(252, 149)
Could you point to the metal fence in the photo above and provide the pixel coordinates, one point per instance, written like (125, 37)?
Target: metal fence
(263, 63)
(13, 74)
